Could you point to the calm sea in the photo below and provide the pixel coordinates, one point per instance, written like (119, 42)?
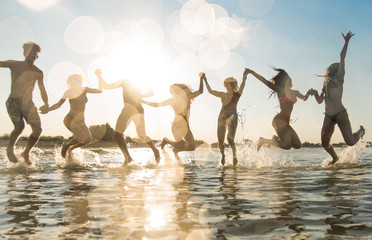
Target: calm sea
(270, 194)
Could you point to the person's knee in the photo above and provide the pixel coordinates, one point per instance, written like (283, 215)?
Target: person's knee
(350, 142)
(231, 141)
(36, 131)
(325, 144)
(286, 146)
(297, 146)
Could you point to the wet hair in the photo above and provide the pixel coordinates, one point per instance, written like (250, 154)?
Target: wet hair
(74, 80)
(332, 70)
(232, 82)
(31, 49)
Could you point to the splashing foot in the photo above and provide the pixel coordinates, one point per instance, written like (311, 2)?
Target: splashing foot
(64, 149)
(235, 160)
(11, 156)
(223, 160)
(362, 131)
(157, 156)
(127, 161)
(26, 156)
(334, 160)
(163, 143)
(260, 143)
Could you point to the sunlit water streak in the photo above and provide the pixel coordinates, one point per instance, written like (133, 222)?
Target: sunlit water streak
(271, 194)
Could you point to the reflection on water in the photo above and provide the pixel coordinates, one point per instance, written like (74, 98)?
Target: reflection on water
(288, 196)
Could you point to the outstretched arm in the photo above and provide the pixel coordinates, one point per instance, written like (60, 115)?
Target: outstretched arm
(159, 104)
(318, 98)
(301, 96)
(263, 80)
(55, 106)
(341, 69)
(105, 85)
(211, 91)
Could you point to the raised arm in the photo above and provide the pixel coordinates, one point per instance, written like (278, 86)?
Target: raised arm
(93, 90)
(105, 85)
(242, 85)
(159, 104)
(201, 87)
(263, 80)
(211, 91)
(341, 69)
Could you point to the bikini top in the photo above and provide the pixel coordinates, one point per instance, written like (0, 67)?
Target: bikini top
(287, 99)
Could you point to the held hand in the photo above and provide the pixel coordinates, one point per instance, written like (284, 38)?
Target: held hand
(348, 36)
(247, 71)
(44, 109)
(202, 75)
(98, 72)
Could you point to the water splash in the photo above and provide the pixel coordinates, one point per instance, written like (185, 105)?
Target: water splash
(79, 158)
(348, 155)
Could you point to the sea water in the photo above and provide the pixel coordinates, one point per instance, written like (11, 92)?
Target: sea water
(270, 194)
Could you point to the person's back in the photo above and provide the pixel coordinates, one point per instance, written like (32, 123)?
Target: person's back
(132, 95)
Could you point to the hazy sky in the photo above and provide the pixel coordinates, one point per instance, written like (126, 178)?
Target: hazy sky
(159, 42)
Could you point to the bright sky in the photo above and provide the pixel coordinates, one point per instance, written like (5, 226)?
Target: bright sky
(159, 42)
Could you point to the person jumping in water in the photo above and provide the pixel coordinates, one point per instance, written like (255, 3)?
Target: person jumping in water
(74, 120)
(335, 112)
(180, 102)
(228, 117)
(132, 111)
(282, 85)
(24, 75)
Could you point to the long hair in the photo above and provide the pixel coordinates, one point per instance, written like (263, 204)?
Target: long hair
(279, 79)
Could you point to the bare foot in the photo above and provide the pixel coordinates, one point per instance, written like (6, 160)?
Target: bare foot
(127, 161)
(362, 131)
(11, 155)
(157, 156)
(235, 160)
(223, 160)
(163, 143)
(27, 158)
(64, 149)
(260, 143)
(334, 160)
(176, 154)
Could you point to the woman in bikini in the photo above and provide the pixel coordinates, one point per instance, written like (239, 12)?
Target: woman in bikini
(182, 96)
(228, 117)
(74, 120)
(282, 85)
(335, 112)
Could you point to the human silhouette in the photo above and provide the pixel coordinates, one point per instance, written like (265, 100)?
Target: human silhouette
(20, 105)
(132, 111)
(281, 84)
(228, 117)
(335, 112)
(182, 96)
(74, 121)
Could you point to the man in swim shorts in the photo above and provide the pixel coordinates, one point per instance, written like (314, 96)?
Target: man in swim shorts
(24, 75)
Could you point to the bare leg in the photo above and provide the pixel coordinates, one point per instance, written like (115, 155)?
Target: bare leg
(18, 128)
(164, 142)
(221, 132)
(344, 124)
(327, 131)
(119, 138)
(271, 142)
(31, 141)
(155, 150)
(233, 124)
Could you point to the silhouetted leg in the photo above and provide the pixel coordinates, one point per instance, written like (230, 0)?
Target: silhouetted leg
(296, 142)
(121, 125)
(221, 133)
(344, 124)
(34, 120)
(19, 125)
(283, 131)
(232, 126)
(139, 122)
(327, 131)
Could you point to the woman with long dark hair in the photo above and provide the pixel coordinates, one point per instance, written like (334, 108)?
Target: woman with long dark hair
(281, 84)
